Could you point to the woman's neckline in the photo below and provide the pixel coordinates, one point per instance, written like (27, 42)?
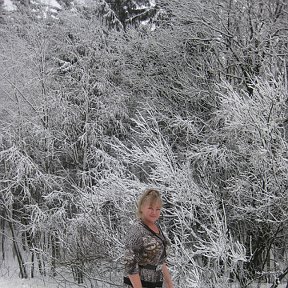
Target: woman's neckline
(156, 231)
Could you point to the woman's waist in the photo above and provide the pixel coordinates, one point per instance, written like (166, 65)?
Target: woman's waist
(157, 267)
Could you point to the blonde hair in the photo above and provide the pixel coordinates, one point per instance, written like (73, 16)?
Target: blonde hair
(151, 196)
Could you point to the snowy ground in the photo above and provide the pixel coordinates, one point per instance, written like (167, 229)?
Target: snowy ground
(9, 278)
(25, 283)
(40, 283)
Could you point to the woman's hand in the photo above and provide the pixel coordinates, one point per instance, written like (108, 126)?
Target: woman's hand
(167, 276)
(135, 280)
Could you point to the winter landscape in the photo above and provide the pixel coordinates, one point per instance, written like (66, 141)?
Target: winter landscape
(102, 99)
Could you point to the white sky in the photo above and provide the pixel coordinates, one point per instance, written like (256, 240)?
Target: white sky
(52, 3)
(8, 5)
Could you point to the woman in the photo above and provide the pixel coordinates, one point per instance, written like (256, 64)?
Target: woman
(146, 246)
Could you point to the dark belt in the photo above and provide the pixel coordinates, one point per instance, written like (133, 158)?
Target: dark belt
(144, 283)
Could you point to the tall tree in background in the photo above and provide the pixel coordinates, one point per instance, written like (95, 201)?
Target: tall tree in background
(123, 14)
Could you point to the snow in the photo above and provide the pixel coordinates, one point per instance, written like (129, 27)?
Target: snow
(81, 2)
(45, 282)
(42, 283)
(152, 3)
(9, 6)
(52, 3)
(9, 276)
(23, 283)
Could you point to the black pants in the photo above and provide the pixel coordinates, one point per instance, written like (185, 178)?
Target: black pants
(145, 284)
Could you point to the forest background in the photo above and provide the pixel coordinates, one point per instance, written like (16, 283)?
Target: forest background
(101, 101)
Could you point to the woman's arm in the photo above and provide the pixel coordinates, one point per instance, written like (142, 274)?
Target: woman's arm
(167, 276)
(135, 280)
(132, 255)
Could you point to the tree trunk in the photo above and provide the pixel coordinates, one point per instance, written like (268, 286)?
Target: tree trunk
(3, 236)
(55, 253)
(22, 268)
(32, 264)
(279, 278)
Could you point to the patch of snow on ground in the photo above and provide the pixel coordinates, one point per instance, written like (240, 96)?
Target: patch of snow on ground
(25, 283)
(6, 282)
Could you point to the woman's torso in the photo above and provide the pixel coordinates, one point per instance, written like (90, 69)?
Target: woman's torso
(144, 250)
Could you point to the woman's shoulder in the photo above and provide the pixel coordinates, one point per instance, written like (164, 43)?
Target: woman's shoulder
(135, 232)
(135, 225)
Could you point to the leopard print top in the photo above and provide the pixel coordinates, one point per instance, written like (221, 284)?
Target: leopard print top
(143, 247)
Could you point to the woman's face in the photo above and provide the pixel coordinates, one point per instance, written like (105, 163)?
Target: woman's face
(150, 212)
